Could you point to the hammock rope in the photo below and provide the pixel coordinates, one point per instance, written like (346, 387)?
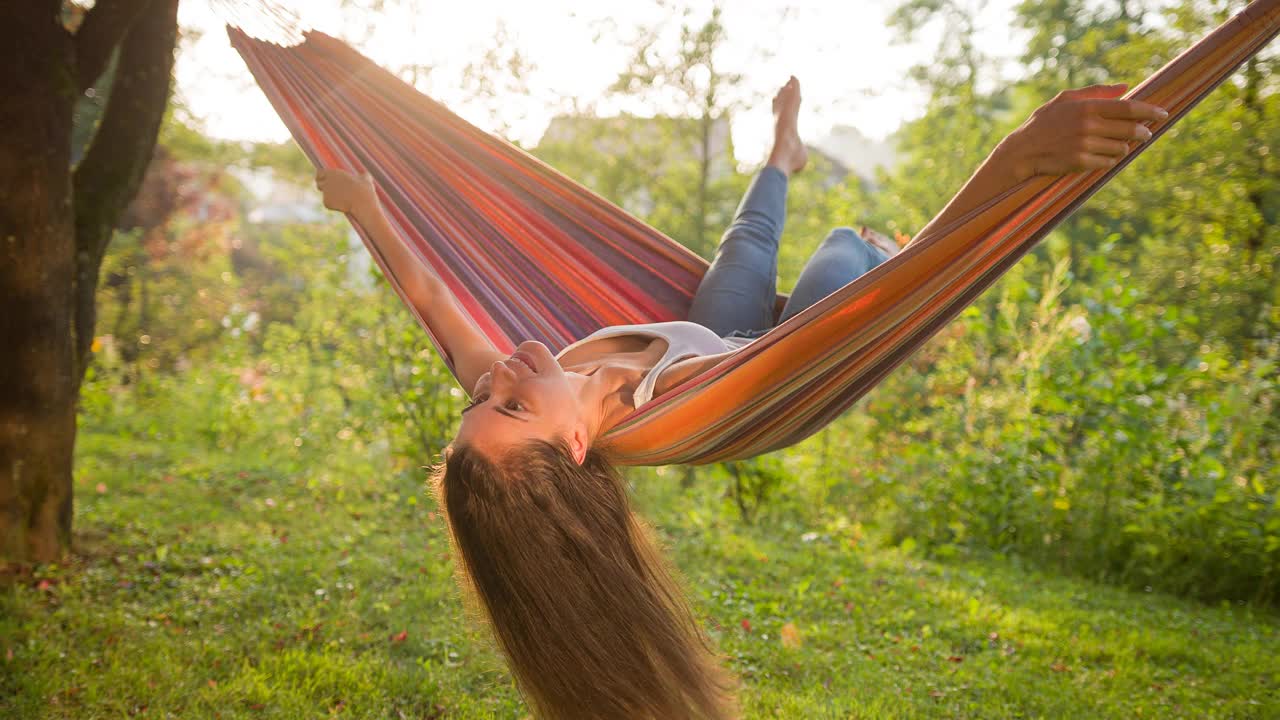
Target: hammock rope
(531, 254)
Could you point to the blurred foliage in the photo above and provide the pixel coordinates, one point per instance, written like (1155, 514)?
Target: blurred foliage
(1109, 408)
(1067, 443)
(677, 172)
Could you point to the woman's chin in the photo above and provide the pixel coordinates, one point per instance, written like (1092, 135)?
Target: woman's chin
(541, 355)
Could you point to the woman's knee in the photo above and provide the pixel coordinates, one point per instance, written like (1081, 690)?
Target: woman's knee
(847, 237)
(844, 236)
(845, 246)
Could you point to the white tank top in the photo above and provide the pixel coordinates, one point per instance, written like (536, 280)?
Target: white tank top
(684, 340)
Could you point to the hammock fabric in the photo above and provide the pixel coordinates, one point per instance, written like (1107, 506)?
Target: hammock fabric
(530, 254)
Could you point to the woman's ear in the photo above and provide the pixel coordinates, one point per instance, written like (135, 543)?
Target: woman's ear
(579, 442)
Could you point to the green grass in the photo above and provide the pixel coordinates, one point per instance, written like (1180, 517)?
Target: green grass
(207, 585)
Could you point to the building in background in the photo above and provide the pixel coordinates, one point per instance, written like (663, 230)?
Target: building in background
(858, 153)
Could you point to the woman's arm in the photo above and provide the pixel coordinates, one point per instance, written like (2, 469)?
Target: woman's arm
(1083, 129)
(470, 350)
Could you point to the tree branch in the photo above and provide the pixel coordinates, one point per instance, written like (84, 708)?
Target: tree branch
(102, 29)
(108, 177)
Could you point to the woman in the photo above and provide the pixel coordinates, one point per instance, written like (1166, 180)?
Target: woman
(590, 617)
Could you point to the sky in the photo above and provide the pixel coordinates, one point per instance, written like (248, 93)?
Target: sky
(851, 70)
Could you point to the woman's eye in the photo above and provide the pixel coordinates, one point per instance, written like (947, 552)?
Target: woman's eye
(513, 405)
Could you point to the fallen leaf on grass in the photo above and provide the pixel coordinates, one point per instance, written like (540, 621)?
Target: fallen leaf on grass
(790, 636)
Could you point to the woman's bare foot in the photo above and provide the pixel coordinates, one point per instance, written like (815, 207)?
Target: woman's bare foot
(788, 154)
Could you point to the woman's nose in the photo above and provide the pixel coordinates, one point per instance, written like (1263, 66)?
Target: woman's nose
(499, 372)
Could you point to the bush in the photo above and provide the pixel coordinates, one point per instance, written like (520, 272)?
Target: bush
(1078, 445)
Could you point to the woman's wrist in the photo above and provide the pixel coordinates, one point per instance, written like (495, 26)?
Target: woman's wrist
(365, 205)
(1009, 158)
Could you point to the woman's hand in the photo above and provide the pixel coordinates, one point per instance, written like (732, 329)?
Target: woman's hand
(1083, 129)
(346, 192)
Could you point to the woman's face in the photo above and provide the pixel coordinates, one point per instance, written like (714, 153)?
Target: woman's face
(530, 396)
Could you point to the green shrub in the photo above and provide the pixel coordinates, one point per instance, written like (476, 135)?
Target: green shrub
(1078, 444)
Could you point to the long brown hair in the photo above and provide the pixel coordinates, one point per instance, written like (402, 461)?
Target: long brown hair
(591, 618)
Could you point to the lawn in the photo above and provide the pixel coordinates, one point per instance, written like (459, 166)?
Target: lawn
(214, 585)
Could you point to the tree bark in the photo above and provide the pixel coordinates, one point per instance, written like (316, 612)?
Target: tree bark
(99, 35)
(50, 238)
(37, 272)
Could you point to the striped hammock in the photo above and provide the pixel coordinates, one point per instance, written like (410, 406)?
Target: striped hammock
(530, 254)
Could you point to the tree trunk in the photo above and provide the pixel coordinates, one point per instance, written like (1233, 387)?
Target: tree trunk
(704, 182)
(37, 276)
(112, 170)
(54, 229)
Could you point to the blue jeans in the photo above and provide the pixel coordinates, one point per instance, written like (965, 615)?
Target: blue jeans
(736, 296)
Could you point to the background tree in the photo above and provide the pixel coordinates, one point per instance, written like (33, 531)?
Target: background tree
(55, 225)
(690, 79)
(1195, 220)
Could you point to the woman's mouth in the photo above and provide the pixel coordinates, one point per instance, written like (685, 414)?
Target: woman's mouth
(524, 359)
